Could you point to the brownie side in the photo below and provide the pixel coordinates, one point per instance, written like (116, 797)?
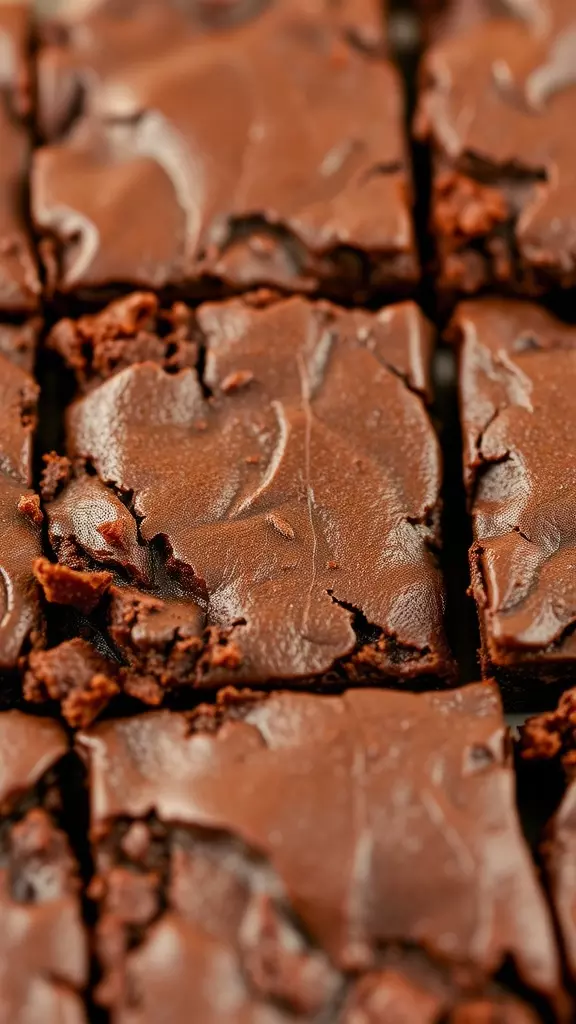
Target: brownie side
(19, 280)
(317, 857)
(551, 737)
(495, 97)
(517, 365)
(270, 516)
(20, 511)
(43, 945)
(238, 146)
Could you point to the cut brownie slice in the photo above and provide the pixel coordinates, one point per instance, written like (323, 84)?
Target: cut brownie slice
(19, 281)
(553, 736)
(222, 147)
(43, 947)
(497, 94)
(272, 516)
(517, 377)
(20, 513)
(303, 857)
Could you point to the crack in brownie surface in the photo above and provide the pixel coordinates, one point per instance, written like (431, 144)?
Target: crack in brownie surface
(265, 860)
(43, 948)
(275, 518)
(497, 92)
(518, 365)
(259, 147)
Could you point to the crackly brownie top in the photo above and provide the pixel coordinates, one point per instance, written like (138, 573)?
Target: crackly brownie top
(519, 418)
(19, 510)
(295, 485)
(354, 823)
(498, 92)
(42, 945)
(227, 140)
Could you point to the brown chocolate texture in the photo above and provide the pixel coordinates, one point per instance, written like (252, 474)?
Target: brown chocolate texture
(497, 95)
(194, 152)
(43, 947)
(275, 518)
(519, 424)
(19, 281)
(19, 509)
(299, 857)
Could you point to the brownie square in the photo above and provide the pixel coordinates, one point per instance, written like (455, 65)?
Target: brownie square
(326, 857)
(517, 374)
(43, 947)
(552, 736)
(20, 513)
(496, 98)
(268, 515)
(209, 148)
(19, 281)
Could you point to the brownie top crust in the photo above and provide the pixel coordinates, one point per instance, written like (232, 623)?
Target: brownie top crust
(239, 144)
(292, 484)
(378, 818)
(518, 367)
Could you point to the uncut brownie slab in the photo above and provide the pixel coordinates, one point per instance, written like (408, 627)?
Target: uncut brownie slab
(213, 147)
(305, 857)
(20, 513)
(270, 515)
(552, 736)
(19, 281)
(517, 378)
(497, 93)
(43, 948)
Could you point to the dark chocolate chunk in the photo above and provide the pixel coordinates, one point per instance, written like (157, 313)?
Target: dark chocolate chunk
(209, 147)
(310, 858)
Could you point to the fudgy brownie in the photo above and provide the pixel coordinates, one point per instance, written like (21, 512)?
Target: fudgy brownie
(20, 512)
(553, 736)
(304, 857)
(517, 377)
(497, 97)
(213, 147)
(268, 516)
(43, 947)
(19, 281)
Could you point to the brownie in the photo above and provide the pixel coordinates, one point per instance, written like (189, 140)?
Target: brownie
(517, 373)
(20, 512)
(269, 515)
(552, 736)
(306, 857)
(213, 147)
(43, 948)
(19, 281)
(496, 96)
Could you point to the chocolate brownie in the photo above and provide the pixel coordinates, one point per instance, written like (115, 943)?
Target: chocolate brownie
(213, 147)
(19, 281)
(518, 368)
(305, 857)
(43, 948)
(552, 736)
(268, 516)
(20, 512)
(497, 97)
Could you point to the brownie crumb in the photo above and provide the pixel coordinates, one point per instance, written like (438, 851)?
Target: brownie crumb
(29, 506)
(76, 675)
(552, 735)
(55, 475)
(61, 585)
